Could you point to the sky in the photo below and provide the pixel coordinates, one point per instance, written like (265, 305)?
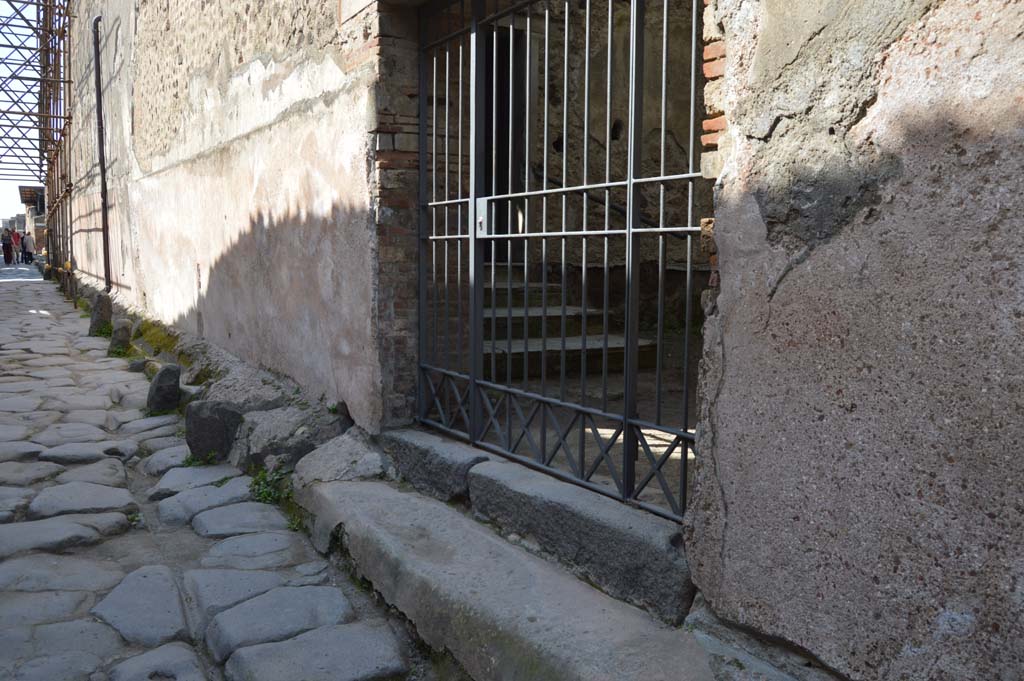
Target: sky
(10, 60)
(10, 204)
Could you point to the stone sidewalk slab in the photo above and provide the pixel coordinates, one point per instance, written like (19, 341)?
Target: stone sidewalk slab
(81, 497)
(180, 479)
(145, 607)
(348, 652)
(242, 518)
(278, 614)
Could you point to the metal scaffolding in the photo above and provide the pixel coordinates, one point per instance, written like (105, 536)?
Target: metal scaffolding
(35, 124)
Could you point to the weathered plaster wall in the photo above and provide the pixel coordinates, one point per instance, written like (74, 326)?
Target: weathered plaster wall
(859, 494)
(242, 139)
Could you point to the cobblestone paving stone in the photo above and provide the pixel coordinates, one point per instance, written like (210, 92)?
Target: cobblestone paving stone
(102, 576)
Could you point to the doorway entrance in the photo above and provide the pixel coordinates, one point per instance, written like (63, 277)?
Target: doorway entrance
(560, 260)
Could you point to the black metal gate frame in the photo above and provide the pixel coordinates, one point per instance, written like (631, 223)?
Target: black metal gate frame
(474, 414)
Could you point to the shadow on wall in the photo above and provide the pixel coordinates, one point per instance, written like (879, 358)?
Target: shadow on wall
(294, 294)
(860, 496)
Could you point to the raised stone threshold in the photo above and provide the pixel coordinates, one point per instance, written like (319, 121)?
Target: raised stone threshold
(627, 553)
(503, 613)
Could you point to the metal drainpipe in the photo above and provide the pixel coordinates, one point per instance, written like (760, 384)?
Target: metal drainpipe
(100, 143)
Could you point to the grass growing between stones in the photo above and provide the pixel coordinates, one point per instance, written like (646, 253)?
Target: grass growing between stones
(271, 488)
(106, 330)
(193, 460)
(157, 336)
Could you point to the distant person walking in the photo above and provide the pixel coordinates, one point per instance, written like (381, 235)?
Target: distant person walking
(16, 246)
(28, 247)
(8, 244)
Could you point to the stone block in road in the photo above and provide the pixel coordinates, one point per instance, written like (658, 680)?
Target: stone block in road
(54, 534)
(210, 427)
(81, 497)
(261, 550)
(48, 572)
(165, 389)
(182, 507)
(278, 614)
(19, 451)
(145, 607)
(173, 662)
(109, 471)
(76, 452)
(212, 591)
(120, 336)
(147, 424)
(180, 479)
(64, 433)
(363, 651)
(21, 474)
(164, 460)
(243, 518)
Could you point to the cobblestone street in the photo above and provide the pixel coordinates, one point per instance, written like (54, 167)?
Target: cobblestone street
(121, 561)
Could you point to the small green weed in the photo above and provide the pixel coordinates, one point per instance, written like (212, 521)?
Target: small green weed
(271, 488)
(208, 460)
(119, 352)
(222, 482)
(334, 408)
(106, 330)
(295, 523)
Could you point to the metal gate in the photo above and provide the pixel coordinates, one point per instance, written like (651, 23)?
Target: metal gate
(559, 273)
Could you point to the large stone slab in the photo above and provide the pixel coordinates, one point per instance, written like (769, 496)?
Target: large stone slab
(260, 550)
(211, 426)
(278, 438)
(145, 607)
(64, 433)
(630, 554)
(278, 614)
(147, 424)
(19, 405)
(92, 417)
(81, 497)
(48, 572)
(78, 452)
(60, 666)
(182, 507)
(165, 389)
(432, 464)
(212, 591)
(158, 444)
(82, 635)
(240, 518)
(20, 474)
(180, 479)
(107, 471)
(164, 460)
(13, 500)
(365, 651)
(170, 662)
(502, 612)
(351, 456)
(25, 608)
(58, 534)
(19, 451)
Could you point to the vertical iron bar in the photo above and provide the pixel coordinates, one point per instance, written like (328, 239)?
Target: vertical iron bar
(583, 254)
(526, 188)
(422, 398)
(565, 180)
(636, 109)
(101, 150)
(477, 126)
(606, 303)
(661, 219)
(694, 19)
(544, 241)
(508, 225)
